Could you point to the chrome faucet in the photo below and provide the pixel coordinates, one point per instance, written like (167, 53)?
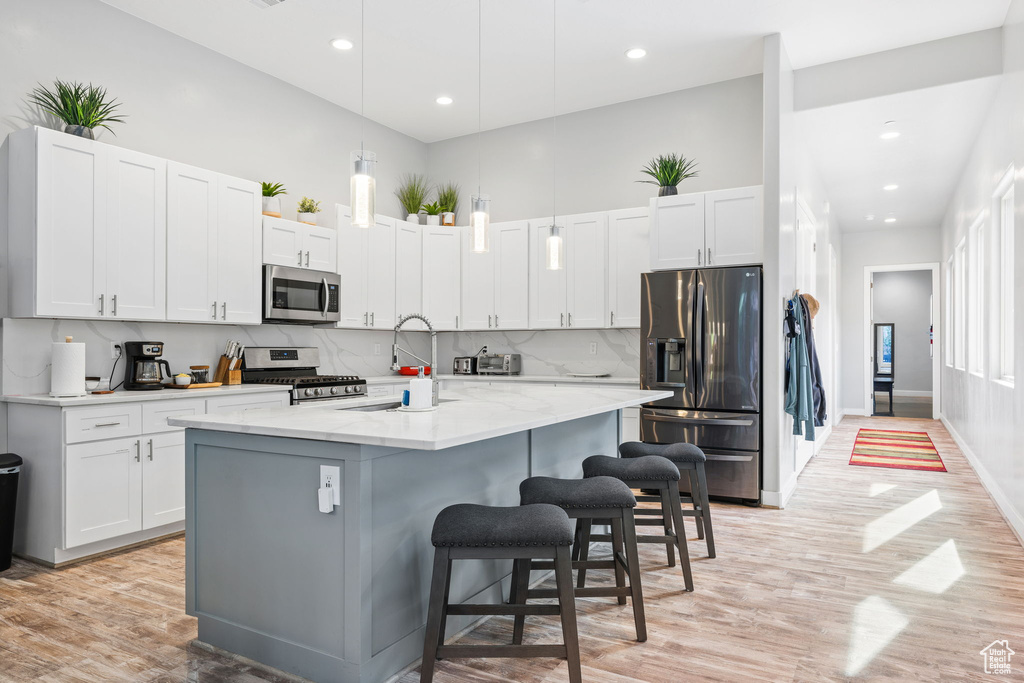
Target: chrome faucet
(395, 348)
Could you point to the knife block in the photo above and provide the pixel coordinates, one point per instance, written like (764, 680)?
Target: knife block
(226, 376)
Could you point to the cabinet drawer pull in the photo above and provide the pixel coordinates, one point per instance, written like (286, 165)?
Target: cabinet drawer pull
(612, 323)
(709, 256)
(488, 321)
(570, 320)
(101, 304)
(300, 257)
(561, 319)
(224, 311)
(113, 305)
(151, 449)
(138, 451)
(214, 310)
(495, 319)
(371, 318)
(366, 319)
(106, 424)
(307, 259)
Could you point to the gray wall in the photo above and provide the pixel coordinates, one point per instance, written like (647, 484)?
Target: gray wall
(599, 152)
(904, 299)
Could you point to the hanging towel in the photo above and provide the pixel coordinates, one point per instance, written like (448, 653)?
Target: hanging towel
(799, 388)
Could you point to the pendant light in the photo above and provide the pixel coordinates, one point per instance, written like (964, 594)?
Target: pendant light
(363, 188)
(554, 245)
(480, 216)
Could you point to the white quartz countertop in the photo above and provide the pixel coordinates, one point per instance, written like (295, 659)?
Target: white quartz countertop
(560, 379)
(133, 396)
(466, 415)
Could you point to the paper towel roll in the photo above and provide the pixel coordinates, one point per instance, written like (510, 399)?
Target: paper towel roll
(67, 370)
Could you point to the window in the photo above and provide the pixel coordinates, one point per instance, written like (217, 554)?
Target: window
(959, 303)
(1004, 224)
(947, 328)
(976, 296)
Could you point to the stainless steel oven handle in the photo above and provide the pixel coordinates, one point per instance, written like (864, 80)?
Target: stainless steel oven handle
(326, 297)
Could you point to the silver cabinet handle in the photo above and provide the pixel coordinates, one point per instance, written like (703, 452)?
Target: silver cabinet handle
(456, 322)
(224, 311)
(214, 310)
(709, 256)
(371, 318)
(561, 319)
(698, 256)
(495, 319)
(488, 321)
(366, 319)
(151, 449)
(101, 304)
(138, 451)
(300, 257)
(570, 320)
(612, 322)
(106, 424)
(113, 305)
(307, 259)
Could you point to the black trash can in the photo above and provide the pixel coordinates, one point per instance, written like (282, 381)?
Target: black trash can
(10, 469)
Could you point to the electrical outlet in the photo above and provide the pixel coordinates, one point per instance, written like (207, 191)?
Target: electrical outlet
(593, 348)
(330, 478)
(376, 349)
(115, 350)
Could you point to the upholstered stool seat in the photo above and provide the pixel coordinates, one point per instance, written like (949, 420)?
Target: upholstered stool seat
(690, 461)
(601, 492)
(467, 532)
(647, 467)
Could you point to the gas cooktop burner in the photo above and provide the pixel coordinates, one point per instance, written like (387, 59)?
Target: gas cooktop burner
(297, 367)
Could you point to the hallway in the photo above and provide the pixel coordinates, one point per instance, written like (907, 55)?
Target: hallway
(872, 572)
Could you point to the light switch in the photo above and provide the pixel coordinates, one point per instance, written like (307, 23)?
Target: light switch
(330, 478)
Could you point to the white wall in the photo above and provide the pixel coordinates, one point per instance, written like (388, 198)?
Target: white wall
(599, 152)
(985, 415)
(890, 246)
(903, 298)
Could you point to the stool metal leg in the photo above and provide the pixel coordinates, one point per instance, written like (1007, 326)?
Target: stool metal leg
(677, 519)
(633, 563)
(666, 515)
(520, 586)
(435, 613)
(567, 612)
(584, 552)
(705, 509)
(620, 574)
(695, 489)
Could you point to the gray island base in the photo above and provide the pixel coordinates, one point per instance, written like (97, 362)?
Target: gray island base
(342, 597)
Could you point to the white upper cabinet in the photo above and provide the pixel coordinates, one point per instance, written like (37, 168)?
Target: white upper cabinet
(380, 295)
(628, 256)
(510, 243)
(547, 287)
(587, 270)
(677, 232)
(734, 226)
(442, 276)
(191, 244)
(478, 280)
(707, 229)
(239, 251)
(366, 261)
(298, 245)
(409, 272)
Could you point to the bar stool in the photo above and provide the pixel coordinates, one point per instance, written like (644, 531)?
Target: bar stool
(468, 532)
(602, 498)
(646, 472)
(689, 459)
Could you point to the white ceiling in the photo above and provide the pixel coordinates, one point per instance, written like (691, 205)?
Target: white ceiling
(937, 128)
(417, 50)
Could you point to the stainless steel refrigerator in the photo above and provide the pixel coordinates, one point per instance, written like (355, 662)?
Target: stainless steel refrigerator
(700, 336)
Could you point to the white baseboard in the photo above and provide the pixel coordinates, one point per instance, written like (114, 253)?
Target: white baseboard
(820, 437)
(1012, 516)
(779, 499)
(860, 412)
(910, 392)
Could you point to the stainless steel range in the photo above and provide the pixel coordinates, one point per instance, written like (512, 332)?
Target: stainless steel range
(297, 366)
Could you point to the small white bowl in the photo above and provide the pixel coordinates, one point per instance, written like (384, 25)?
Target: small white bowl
(182, 381)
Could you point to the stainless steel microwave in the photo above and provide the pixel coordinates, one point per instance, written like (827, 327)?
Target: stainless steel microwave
(299, 295)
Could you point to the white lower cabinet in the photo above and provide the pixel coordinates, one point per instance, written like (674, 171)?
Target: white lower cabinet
(103, 490)
(630, 424)
(163, 479)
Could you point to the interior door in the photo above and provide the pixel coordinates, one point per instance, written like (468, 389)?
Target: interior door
(587, 264)
(136, 235)
(547, 287)
(409, 271)
(191, 244)
(511, 244)
(478, 280)
(163, 479)
(103, 490)
(71, 252)
(380, 293)
(239, 251)
(629, 255)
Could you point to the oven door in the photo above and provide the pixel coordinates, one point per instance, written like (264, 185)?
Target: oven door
(296, 295)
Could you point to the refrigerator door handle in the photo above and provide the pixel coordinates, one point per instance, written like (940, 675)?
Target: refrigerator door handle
(717, 422)
(698, 339)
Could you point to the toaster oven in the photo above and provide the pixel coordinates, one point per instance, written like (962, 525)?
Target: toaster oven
(499, 364)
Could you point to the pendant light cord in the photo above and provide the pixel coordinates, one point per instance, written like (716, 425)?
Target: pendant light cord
(479, 97)
(554, 107)
(362, 78)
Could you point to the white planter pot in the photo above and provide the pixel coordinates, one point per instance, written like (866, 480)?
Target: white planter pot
(272, 207)
(307, 218)
(433, 220)
(413, 218)
(447, 218)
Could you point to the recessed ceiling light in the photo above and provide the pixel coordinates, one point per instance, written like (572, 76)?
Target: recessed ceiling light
(890, 219)
(870, 217)
(890, 188)
(444, 99)
(636, 53)
(341, 44)
(891, 135)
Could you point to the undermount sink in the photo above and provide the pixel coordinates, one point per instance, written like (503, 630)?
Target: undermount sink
(393, 405)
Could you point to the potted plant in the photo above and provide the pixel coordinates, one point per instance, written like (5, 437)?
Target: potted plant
(308, 209)
(271, 204)
(81, 107)
(448, 199)
(433, 212)
(668, 170)
(411, 193)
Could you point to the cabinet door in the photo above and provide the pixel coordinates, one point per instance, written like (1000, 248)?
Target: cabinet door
(442, 276)
(734, 226)
(191, 244)
(103, 490)
(587, 270)
(677, 232)
(380, 281)
(136, 235)
(629, 255)
(163, 479)
(511, 245)
(71, 251)
(282, 242)
(409, 272)
(321, 249)
(478, 279)
(239, 251)
(547, 287)
(630, 425)
(353, 255)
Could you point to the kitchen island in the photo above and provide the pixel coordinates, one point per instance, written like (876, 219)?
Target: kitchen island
(342, 596)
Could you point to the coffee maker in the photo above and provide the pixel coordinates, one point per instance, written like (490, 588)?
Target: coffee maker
(142, 371)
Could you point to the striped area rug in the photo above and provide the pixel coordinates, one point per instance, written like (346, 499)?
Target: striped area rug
(898, 450)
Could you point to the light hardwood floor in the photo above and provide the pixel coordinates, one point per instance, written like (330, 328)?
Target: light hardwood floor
(869, 573)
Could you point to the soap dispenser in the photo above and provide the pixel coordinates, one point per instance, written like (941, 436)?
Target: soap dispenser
(420, 391)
